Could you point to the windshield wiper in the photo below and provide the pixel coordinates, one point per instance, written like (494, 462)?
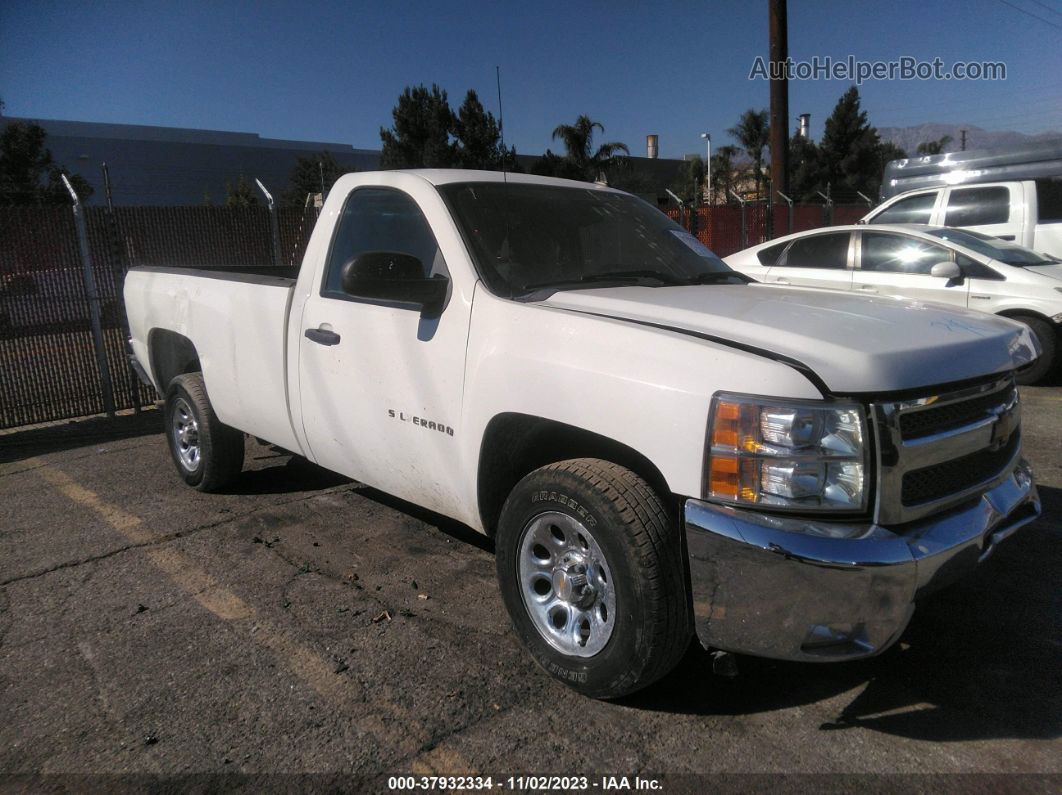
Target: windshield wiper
(716, 277)
(616, 276)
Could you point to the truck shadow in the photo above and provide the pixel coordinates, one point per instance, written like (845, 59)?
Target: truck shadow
(59, 436)
(276, 471)
(269, 470)
(981, 660)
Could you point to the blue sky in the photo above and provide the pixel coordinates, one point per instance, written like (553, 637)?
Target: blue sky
(331, 71)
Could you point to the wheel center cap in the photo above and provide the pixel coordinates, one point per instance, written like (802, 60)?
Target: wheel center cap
(571, 585)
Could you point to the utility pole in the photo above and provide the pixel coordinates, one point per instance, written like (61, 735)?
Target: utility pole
(962, 140)
(779, 53)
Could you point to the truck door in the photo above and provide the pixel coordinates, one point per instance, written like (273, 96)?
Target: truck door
(381, 382)
(997, 210)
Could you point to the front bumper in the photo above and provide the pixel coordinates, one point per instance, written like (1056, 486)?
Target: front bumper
(798, 589)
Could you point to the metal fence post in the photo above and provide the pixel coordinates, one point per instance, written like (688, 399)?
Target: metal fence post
(827, 208)
(790, 203)
(93, 300)
(274, 225)
(744, 221)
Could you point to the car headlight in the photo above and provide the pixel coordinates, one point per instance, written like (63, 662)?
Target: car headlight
(787, 454)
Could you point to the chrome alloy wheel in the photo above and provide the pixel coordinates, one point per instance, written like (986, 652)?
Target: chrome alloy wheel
(566, 584)
(185, 430)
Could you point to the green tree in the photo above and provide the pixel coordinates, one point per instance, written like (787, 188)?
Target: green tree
(28, 173)
(309, 175)
(422, 131)
(936, 147)
(578, 140)
(805, 169)
(478, 138)
(241, 194)
(690, 181)
(553, 165)
(752, 132)
(724, 173)
(851, 148)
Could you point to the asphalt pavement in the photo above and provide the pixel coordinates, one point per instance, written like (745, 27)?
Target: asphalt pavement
(305, 624)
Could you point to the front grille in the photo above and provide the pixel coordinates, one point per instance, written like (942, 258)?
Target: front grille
(955, 476)
(939, 419)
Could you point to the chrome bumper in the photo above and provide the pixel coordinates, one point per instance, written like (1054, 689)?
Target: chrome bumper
(798, 589)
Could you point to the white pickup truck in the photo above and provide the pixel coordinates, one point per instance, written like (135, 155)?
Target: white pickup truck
(657, 444)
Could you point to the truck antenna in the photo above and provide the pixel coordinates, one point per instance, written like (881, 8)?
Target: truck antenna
(501, 124)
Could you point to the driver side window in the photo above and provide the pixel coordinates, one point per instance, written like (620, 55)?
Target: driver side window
(381, 219)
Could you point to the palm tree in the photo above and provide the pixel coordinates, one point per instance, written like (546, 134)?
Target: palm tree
(723, 173)
(753, 133)
(578, 140)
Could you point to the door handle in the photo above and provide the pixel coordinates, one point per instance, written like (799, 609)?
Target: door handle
(868, 288)
(1005, 237)
(322, 336)
(780, 280)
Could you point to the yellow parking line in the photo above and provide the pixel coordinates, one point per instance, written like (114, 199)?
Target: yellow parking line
(400, 729)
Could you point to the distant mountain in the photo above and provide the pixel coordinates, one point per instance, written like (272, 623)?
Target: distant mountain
(908, 138)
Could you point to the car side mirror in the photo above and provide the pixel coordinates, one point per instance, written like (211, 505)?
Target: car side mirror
(392, 276)
(946, 270)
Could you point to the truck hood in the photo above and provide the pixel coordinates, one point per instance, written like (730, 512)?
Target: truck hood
(853, 344)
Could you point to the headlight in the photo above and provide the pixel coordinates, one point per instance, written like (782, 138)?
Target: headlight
(794, 455)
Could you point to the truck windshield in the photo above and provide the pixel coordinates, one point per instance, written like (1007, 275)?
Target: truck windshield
(526, 238)
(1001, 250)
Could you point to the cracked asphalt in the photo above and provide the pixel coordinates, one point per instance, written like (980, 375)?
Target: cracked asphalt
(303, 623)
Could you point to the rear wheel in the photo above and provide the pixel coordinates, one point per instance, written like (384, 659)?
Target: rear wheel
(1048, 339)
(207, 453)
(590, 568)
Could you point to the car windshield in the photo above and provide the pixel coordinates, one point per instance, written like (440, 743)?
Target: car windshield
(1002, 250)
(525, 238)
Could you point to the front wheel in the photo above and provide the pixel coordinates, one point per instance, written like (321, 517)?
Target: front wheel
(591, 572)
(207, 453)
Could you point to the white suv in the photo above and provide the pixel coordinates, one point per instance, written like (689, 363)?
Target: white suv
(950, 266)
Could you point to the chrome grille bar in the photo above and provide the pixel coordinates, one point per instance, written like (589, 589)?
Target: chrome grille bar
(977, 420)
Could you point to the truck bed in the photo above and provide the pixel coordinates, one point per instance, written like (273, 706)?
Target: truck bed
(253, 274)
(236, 319)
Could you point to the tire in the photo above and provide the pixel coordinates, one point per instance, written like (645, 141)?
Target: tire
(208, 454)
(1048, 339)
(631, 623)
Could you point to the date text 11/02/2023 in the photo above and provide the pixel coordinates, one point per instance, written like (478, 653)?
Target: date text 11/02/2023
(526, 783)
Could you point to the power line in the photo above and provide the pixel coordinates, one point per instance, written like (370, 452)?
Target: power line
(870, 106)
(1049, 8)
(1031, 14)
(975, 118)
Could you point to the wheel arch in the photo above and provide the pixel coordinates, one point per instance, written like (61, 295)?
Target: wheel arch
(515, 444)
(171, 354)
(1015, 312)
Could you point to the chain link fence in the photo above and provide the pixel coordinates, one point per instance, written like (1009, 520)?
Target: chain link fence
(727, 228)
(50, 362)
(54, 366)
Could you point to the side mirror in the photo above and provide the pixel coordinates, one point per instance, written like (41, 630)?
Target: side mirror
(946, 270)
(391, 276)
